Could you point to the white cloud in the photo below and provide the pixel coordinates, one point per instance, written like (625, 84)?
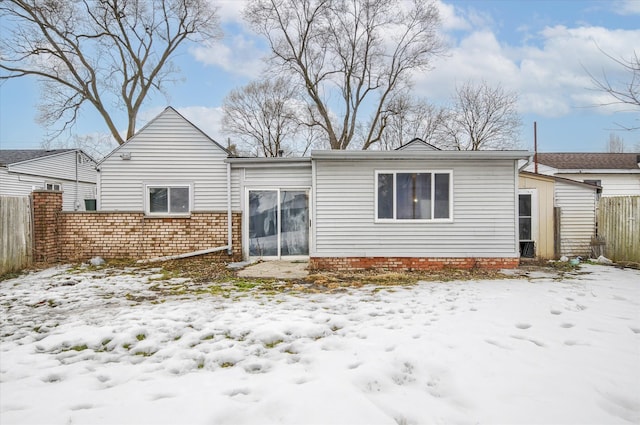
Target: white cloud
(239, 54)
(627, 7)
(230, 10)
(207, 119)
(550, 76)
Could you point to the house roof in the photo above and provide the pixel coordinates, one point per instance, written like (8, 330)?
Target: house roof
(166, 110)
(418, 142)
(590, 161)
(559, 179)
(12, 156)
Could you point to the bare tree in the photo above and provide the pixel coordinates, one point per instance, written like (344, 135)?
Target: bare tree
(349, 56)
(413, 118)
(265, 116)
(624, 91)
(111, 54)
(481, 117)
(615, 144)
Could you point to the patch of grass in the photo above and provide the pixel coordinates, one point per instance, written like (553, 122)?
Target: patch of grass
(166, 275)
(10, 275)
(144, 353)
(126, 346)
(200, 364)
(207, 337)
(79, 347)
(245, 285)
(227, 364)
(141, 337)
(272, 344)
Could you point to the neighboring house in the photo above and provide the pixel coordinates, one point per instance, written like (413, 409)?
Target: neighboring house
(617, 173)
(557, 216)
(68, 170)
(416, 207)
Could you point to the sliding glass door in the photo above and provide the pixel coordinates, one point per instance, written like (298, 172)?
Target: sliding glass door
(278, 222)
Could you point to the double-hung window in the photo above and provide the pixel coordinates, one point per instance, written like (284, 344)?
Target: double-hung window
(408, 195)
(168, 199)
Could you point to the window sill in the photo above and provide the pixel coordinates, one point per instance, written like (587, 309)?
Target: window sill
(152, 216)
(412, 221)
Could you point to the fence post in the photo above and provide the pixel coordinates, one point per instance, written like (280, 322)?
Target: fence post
(47, 206)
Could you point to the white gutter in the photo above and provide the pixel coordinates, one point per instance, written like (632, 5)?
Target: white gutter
(529, 161)
(418, 155)
(229, 213)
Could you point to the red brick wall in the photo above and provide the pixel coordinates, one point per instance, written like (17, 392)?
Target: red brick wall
(82, 235)
(408, 263)
(46, 208)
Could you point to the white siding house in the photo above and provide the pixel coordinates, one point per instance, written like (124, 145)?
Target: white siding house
(417, 202)
(69, 170)
(618, 174)
(481, 220)
(169, 157)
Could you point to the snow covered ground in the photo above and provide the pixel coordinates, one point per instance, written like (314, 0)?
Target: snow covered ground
(102, 347)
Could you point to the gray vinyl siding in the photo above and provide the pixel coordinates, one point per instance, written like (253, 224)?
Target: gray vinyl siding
(299, 176)
(268, 176)
(577, 218)
(18, 184)
(57, 167)
(168, 150)
(483, 212)
(12, 184)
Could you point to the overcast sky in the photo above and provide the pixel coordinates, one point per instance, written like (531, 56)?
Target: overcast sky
(539, 49)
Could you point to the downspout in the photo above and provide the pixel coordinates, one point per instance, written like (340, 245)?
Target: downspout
(76, 203)
(229, 213)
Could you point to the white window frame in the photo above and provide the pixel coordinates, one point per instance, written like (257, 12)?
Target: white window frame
(52, 183)
(167, 185)
(411, 220)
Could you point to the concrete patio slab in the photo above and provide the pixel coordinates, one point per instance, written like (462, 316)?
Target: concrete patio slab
(277, 269)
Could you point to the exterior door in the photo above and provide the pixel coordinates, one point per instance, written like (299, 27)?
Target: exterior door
(526, 210)
(278, 223)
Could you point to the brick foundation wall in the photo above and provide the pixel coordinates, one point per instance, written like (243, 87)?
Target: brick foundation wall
(81, 235)
(408, 263)
(46, 207)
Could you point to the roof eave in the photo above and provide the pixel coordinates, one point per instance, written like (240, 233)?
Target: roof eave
(419, 155)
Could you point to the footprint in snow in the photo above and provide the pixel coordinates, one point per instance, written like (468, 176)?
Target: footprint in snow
(556, 312)
(497, 344)
(238, 391)
(635, 330)
(571, 343)
(82, 406)
(533, 341)
(523, 325)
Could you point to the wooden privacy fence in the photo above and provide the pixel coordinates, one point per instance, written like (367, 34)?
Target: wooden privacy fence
(15, 233)
(619, 226)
